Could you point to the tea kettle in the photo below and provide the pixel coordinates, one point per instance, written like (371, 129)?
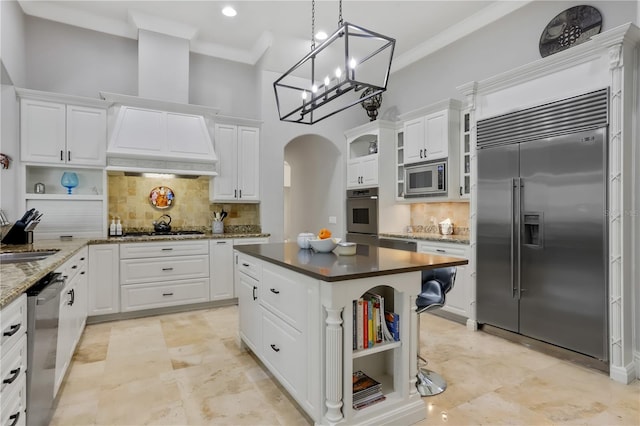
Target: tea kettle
(161, 225)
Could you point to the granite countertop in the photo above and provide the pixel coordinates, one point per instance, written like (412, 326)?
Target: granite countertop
(428, 236)
(16, 278)
(369, 261)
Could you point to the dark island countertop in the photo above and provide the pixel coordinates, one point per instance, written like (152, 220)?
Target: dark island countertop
(369, 261)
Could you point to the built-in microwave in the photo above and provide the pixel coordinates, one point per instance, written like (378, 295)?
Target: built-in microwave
(426, 179)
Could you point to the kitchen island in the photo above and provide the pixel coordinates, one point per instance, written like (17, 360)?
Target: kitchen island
(299, 315)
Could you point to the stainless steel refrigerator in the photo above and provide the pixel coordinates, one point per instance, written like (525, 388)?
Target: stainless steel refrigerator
(541, 223)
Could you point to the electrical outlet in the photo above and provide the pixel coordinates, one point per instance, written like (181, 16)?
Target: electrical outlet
(333, 219)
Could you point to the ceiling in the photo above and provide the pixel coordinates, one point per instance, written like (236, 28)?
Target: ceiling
(419, 27)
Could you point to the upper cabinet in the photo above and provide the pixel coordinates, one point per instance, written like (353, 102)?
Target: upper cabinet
(465, 154)
(238, 149)
(364, 147)
(429, 132)
(60, 132)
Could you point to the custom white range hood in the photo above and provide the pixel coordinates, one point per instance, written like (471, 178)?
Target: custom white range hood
(159, 131)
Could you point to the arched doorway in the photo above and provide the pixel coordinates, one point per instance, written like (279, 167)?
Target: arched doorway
(315, 190)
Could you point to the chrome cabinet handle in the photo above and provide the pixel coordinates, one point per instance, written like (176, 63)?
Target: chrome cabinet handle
(12, 330)
(15, 373)
(275, 348)
(274, 291)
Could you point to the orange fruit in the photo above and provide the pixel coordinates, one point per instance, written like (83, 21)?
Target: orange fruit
(324, 234)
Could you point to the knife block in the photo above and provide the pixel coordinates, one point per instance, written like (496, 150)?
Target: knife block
(17, 235)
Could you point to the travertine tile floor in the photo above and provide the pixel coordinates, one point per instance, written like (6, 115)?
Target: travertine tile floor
(187, 369)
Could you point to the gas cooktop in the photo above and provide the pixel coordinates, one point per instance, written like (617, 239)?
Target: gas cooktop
(152, 233)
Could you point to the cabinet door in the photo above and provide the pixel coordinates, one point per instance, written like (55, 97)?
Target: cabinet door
(354, 169)
(414, 141)
(221, 270)
(370, 170)
(225, 183)
(437, 135)
(65, 335)
(249, 309)
(104, 279)
(187, 136)
(248, 163)
(86, 135)
(42, 131)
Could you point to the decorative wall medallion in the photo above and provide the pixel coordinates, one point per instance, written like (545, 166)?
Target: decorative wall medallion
(161, 197)
(571, 27)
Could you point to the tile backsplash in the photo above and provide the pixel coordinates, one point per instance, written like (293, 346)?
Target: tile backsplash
(190, 209)
(428, 215)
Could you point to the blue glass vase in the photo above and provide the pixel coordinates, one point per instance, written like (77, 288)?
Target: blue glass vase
(69, 180)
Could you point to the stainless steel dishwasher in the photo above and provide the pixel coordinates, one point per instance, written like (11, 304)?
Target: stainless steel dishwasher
(43, 304)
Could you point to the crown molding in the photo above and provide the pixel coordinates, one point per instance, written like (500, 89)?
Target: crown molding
(144, 21)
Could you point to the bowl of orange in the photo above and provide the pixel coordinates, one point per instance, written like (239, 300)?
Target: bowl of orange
(324, 243)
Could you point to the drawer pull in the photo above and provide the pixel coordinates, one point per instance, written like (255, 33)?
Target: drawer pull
(15, 418)
(254, 292)
(12, 330)
(82, 273)
(221, 242)
(15, 373)
(167, 269)
(275, 348)
(167, 249)
(274, 291)
(71, 293)
(246, 265)
(167, 294)
(74, 267)
(441, 251)
(82, 258)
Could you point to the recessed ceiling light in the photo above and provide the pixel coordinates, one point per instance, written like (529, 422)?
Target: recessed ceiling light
(321, 35)
(229, 11)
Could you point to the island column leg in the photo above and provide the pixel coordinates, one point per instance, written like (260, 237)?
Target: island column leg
(333, 365)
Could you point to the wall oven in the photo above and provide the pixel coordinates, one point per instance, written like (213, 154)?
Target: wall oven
(362, 215)
(426, 179)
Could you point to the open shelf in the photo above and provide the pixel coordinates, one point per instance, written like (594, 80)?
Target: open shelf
(68, 197)
(380, 347)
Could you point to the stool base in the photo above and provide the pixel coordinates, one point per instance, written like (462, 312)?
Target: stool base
(429, 382)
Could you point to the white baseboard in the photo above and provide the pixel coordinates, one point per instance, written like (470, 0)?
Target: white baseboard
(636, 354)
(625, 374)
(472, 325)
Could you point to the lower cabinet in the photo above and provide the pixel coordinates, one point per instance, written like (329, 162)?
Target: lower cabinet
(164, 273)
(459, 300)
(104, 279)
(13, 368)
(72, 313)
(248, 273)
(221, 269)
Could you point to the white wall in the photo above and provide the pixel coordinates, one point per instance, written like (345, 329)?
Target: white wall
(508, 43)
(12, 44)
(9, 145)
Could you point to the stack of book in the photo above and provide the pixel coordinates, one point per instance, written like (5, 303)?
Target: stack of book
(371, 323)
(366, 391)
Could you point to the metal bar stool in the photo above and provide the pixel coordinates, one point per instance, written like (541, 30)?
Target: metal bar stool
(436, 283)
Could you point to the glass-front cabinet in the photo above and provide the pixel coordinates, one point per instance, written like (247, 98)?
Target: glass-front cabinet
(465, 154)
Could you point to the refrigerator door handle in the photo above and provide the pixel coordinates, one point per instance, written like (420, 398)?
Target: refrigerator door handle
(516, 204)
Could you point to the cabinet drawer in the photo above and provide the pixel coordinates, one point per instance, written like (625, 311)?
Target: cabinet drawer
(250, 266)
(13, 318)
(148, 296)
(443, 249)
(285, 295)
(77, 263)
(163, 249)
(13, 404)
(137, 271)
(283, 349)
(14, 365)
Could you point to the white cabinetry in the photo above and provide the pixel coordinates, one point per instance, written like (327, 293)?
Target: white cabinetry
(160, 274)
(221, 269)
(60, 133)
(248, 275)
(427, 138)
(365, 146)
(459, 300)
(104, 279)
(465, 155)
(238, 150)
(73, 312)
(13, 351)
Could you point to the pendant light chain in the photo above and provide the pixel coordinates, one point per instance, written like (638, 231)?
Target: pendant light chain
(313, 24)
(340, 14)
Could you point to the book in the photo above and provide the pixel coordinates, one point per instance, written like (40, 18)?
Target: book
(366, 390)
(392, 320)
(359, 331)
